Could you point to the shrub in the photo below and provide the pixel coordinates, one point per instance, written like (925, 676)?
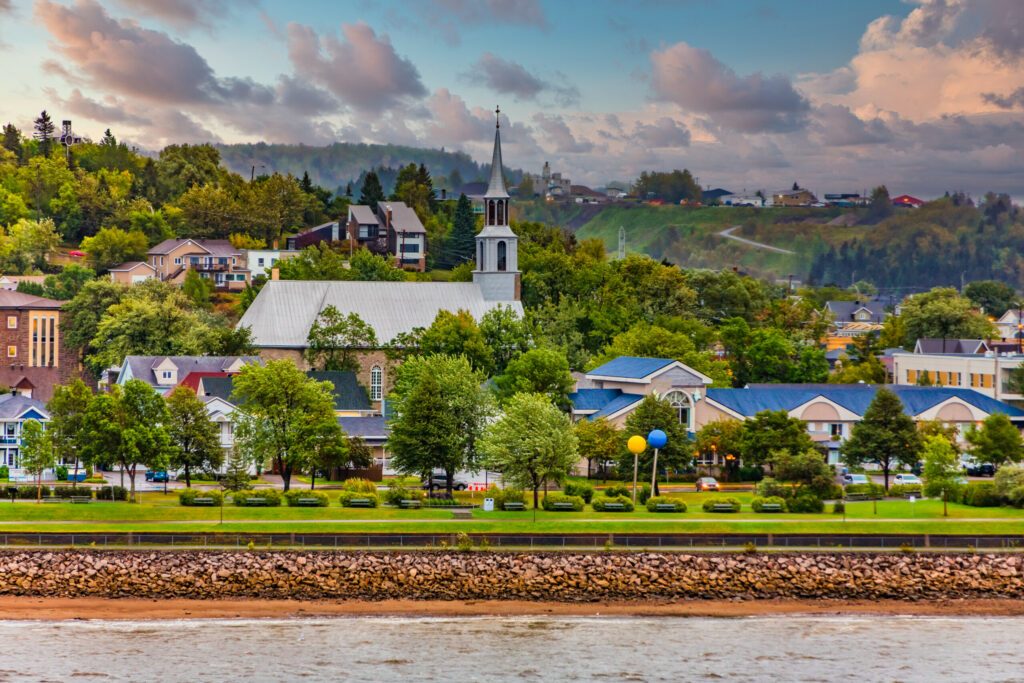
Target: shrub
(617, 490)
(581, 489)
(1016, 497)
(1008, 478)
(294, 496)
(68, 491)
(111, 493)
(600, 502)
(771, 488)
(709, 504)
(359, 485)
(394, 495)
(807, 505)
(643, 494)
(981, 495)
(502, 496)
(655, 501)
(29, 492)
(271, 496)
(759, 502)
(753, 473)
(188, 496)
(548, 502)
(5, 472)
(61, 472)
(838, 508)
(872, 489)
(345, 498)
(833, 491)
(897, 490)
(440, 502)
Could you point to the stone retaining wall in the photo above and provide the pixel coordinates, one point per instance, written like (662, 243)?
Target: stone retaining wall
(498, 575)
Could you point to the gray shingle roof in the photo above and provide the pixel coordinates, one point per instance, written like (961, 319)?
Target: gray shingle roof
(13, 405)
(284, 310)
(348, 393)
(142, 366)
(364, 215)
(404, 219)
(12, 299)
(372, 428)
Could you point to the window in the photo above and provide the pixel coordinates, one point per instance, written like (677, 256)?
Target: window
(259, 262)
(376, 383)
(366, 232)
(490, 213)
(835, 429)
(12, 351)
(12, 322)
(10, 429)
(911, 376)
(480, 259)
(502, 255)
(681, 403)
(177, 260)
(410, 248)
(501, 213)
(165, 374)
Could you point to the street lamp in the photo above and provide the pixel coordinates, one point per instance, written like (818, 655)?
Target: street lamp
(636, 445)
(657, 439)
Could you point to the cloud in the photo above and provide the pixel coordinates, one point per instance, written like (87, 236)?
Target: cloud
(664, 132)
(447, 16)
(693, 79)
(837, 126)
(558, 133)
(509, 78)
(927, 25)
(114, 111)
(364, 71)
(1011, 101)
(185, 14)
(452, 121)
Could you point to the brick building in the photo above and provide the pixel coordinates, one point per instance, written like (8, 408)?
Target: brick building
(35, 358)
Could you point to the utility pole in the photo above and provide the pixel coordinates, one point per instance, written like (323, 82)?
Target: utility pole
(622, 242)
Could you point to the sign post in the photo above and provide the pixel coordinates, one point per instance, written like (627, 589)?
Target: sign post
(657, 439)
(636, 446)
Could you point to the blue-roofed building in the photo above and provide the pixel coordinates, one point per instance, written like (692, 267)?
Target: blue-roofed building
(15, 409)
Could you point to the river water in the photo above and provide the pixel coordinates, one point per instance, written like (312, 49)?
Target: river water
(552, 649)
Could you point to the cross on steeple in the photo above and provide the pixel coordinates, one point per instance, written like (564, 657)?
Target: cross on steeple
(497, 116)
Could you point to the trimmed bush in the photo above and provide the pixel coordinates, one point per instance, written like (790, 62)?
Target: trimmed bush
(548, 502)
(581, 489)
(617, 490)
(772, 488)
(294, 496)
(1016, 497)
(345, 498)
(188, 496)
(600, 502)
(754, 473)
(29, 492)
(61, 472)
(69, 491)
(111, 493)
(396, 494)
(807, 505)
(838, 507)
(710, 503)
(981, 494)
(359, 485)
(1008, 478)
(5, 472)
(897, 490)
(759, 502)
(271, 496)
(429, 502)
(655, 501)
(872, 489)
(643, 493)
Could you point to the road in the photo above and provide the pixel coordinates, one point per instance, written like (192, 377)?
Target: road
(727, 233)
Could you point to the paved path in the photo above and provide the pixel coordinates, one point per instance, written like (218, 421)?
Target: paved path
(727, 233)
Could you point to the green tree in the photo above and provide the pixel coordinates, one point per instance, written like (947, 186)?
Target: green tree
(335, 340)
(280, 408)
(197, 288)
(880, 207)
(44, 128)
(66, 284)
(12, 140)
(236, 476)
(770, 432)
(36, 452)
(68, 408)
(459, 395)
(538, 371)
(372, 191)
(193, 435)
(941, 467)
(885, 436)
(942, 314)
(992, 296)
(600, 442)
(997, 441)
(327, 446)
(83, 313)
(461, 244)
(725, 437)
(457, 334)
(31, 242)
(506, 334)
(656, 413)
(113, 246)
(532, 442)
(808, 470)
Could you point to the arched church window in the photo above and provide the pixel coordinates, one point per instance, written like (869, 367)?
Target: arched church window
(376, 383)
(502, 255)
(501, 213)
(490, 212)
(480, 256)
(681, 404)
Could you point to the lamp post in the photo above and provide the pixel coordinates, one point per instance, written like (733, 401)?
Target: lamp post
(657, 439)
(636, 445)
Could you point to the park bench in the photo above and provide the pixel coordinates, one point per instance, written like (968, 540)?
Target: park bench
(81, 499)
(358, 503)
(308, 502)
(722, 507)
(562, 507)
(513, 505)
(52, 499)
(856, 496)
(202, 501)
(771, 507)
(614, 507)
(911, 494)
(665, 507)
(410, 504)
(254, 501)
(462, 514)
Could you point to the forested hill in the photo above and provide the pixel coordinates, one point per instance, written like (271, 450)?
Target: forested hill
(335, 165)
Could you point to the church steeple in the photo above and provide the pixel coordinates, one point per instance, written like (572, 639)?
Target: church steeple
(497, 247)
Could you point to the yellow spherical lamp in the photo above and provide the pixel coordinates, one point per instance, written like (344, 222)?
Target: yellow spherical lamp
(636, 445)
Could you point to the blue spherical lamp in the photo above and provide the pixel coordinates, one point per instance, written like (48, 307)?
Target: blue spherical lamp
(657, 438)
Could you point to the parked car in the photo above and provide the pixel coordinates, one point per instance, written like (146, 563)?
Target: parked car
(439, 481)
(157, 476)
(707, 484)
(855, 479)
(907, 479)
(75, 253)
(986, 469)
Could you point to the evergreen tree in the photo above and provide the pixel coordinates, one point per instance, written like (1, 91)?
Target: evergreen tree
(348, 190)
(306, 184)
(44, 128)
(12, 140)
(108, 139)
(461, 244)
(237, 476)
(372, 191)
(886, 436)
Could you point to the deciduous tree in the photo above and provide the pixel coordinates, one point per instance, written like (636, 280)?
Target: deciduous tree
(36, 452)
(997, 441)
(538, 371)
(193, 435)
(885, 436)
(335, 339)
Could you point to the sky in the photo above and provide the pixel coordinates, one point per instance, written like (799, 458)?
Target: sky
(839, 95)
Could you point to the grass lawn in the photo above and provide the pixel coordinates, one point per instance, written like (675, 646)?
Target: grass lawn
(157, 512)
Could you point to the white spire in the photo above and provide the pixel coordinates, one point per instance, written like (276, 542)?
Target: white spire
(496, 188)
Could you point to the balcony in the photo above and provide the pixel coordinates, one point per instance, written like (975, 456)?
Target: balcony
(209, 267)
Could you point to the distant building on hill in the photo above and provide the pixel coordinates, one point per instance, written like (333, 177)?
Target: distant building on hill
(905, 200)
(798, 197)
(36, 357)
(170, 261)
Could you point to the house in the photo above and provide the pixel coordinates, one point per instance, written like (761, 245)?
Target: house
(1009, 325)
(262, 261)
(798, 197)
(845, 313)
(615, 389)
(15, 409)
(374, 431)
(977, 364)
(35, 356)
(957, 346)
(170, 260)
(281, 315)
(163, 373)
(11, 282)
(907, 201)
(744, 199)
(715, 196)
(846, 199)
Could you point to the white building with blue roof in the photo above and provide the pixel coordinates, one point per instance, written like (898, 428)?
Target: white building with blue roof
(15, 409)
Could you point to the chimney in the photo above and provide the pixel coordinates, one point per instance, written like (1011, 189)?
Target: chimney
(387, 212)
(275, 273)
(275, 244)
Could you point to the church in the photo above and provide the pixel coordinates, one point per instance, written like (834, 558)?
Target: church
(283, 312)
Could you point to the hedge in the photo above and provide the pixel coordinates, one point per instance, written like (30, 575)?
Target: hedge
(906, 490)
(294, 496)
(1016, 497)
(772, 488)
(643, 493)
(30, 492)
(758, 502)
(617, 490)
(105, 493)
(345, 498)
(807, 505)
(600, 502)
(502, 496)
(395, 495)
(271, 496)
(581, 489)
(710, 503)
(548, 502)
(61, 472)
(872, 489)
(188, 496)
(69, 491)
(981, 494)
(655, 501)
(5, 472)
(359, 485)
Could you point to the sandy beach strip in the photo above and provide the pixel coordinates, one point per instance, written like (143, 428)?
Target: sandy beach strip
(57, 609)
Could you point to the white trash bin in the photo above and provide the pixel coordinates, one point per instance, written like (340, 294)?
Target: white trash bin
(488, 505)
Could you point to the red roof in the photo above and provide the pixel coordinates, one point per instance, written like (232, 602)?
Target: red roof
(192, 379)
(907, 200)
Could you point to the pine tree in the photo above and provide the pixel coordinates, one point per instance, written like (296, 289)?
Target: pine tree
(44, 128)
(237, 476)
(372, 191)
(886, 436)
(306, 184)
(461, 244)
(348, 190)
(108, 139)
(12, 140)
